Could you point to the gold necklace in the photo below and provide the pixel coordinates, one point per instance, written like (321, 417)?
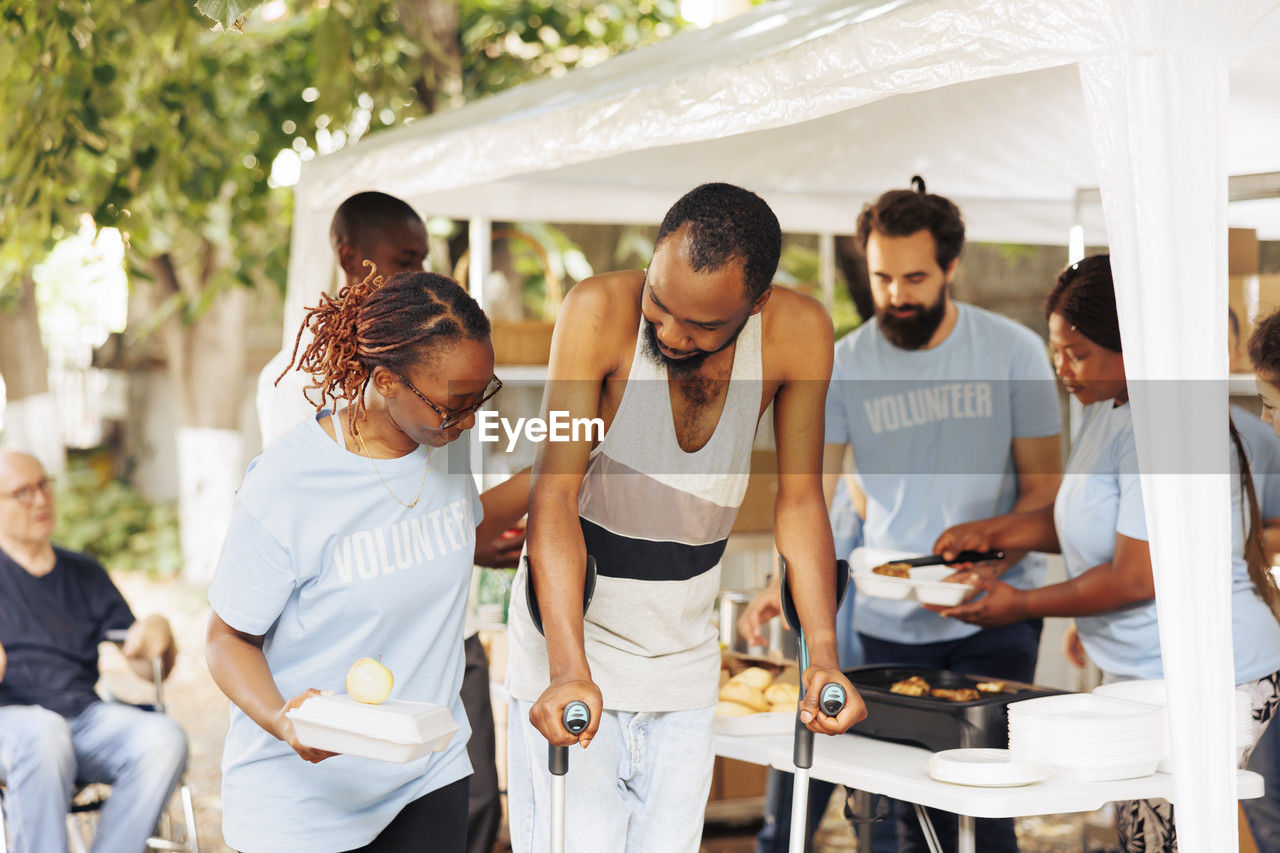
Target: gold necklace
(427, 468)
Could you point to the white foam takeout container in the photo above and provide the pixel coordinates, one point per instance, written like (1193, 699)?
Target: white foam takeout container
(397, 730)
(925, 584)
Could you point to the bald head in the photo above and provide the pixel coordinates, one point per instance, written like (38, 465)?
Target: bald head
(12, 462)
(26, 501)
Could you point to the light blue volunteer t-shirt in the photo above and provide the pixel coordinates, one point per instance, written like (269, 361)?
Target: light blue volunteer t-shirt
(322, 560)
(931, 432)
(1101, 496)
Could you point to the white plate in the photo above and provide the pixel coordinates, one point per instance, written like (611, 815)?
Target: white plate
(986, 768)
(753, 725)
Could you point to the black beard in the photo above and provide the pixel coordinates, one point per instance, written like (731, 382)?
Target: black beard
(915, 331)
(690, 364)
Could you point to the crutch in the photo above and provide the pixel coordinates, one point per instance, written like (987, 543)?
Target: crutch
(576, 716)
(831, 699)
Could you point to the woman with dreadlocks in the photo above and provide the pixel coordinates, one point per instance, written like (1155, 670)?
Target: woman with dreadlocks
(352, 537)
(1098, 526)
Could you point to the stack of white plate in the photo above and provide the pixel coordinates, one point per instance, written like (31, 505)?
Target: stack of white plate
(1086, 737)
(1152, 692)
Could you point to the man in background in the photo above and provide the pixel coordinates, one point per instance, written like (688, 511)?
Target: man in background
(56, 606)
(951, 413)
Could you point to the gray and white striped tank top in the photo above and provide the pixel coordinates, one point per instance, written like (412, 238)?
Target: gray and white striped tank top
(656, 519)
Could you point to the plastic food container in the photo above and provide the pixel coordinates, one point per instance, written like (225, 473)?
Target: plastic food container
(397, 730)
(925, 584)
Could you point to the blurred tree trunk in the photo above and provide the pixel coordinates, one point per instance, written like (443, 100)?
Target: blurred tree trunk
(853, 264)
(434, 25)
(206, 364)
(31, 417)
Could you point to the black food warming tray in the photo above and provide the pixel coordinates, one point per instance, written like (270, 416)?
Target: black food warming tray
(936, 724)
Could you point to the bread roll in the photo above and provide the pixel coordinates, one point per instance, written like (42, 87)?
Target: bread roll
(733, 709)
(754, 677)
(744, 695)
(788, 708)
(782, 694)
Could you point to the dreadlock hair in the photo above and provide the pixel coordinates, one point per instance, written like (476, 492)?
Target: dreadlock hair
(901, 213)
(373, 323)
(727, 223)
(1264, 348)
(1085, 296)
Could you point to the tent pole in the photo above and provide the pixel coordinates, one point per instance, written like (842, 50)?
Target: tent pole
(480, 243)
(827, 269)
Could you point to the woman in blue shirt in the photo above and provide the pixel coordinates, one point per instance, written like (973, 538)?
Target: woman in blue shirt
(353, 536)
(1097, 524)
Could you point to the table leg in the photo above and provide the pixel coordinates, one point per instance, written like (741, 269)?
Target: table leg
(967, 842)
(930, 834)
(863, 808)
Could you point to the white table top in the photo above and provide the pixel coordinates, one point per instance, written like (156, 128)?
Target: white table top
(899, 771)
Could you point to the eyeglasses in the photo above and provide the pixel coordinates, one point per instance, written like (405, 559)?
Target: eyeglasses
(453, 417)
(27, 494)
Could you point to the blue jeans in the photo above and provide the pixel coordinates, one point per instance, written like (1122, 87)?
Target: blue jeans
(1009, 652)
(641, 786)
(141, 754)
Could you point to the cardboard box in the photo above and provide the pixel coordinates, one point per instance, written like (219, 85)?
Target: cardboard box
(1253, 298)
(756, 513)
(737, 780)
(1242, 251)
(732, 663)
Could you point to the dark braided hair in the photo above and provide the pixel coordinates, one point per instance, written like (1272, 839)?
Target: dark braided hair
(727, 223)
(901, 213)
(1264, 348)
(1255, 556)
(372, 323)
(1085, 296)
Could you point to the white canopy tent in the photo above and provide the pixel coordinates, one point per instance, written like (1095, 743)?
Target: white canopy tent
(1013, 108)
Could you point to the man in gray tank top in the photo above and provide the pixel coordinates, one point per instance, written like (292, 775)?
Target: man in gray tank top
(679, 361)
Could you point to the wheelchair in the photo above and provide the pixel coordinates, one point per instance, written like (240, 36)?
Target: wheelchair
(171, 833)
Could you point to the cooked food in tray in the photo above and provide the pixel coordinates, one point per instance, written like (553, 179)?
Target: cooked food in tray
(917, 686)
(991, 686)
(893, 570)
(913, 686)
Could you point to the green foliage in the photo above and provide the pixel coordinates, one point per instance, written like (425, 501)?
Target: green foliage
(508, 42)
(229, 13)
(116, 524)
(158, 124)
(798, 269)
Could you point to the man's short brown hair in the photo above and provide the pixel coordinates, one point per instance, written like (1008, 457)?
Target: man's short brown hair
(901, 213)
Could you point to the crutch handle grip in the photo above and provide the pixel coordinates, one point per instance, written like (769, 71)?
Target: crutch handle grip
(576, 717)
(802, 748)
(832, 699)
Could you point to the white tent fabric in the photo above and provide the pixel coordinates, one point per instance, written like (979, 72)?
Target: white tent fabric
(1010, 107)
(1159, 196)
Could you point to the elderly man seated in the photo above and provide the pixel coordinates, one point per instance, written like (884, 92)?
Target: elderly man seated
(56, 606)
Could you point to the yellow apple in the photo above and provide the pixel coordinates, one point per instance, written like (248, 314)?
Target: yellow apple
(369, 681)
